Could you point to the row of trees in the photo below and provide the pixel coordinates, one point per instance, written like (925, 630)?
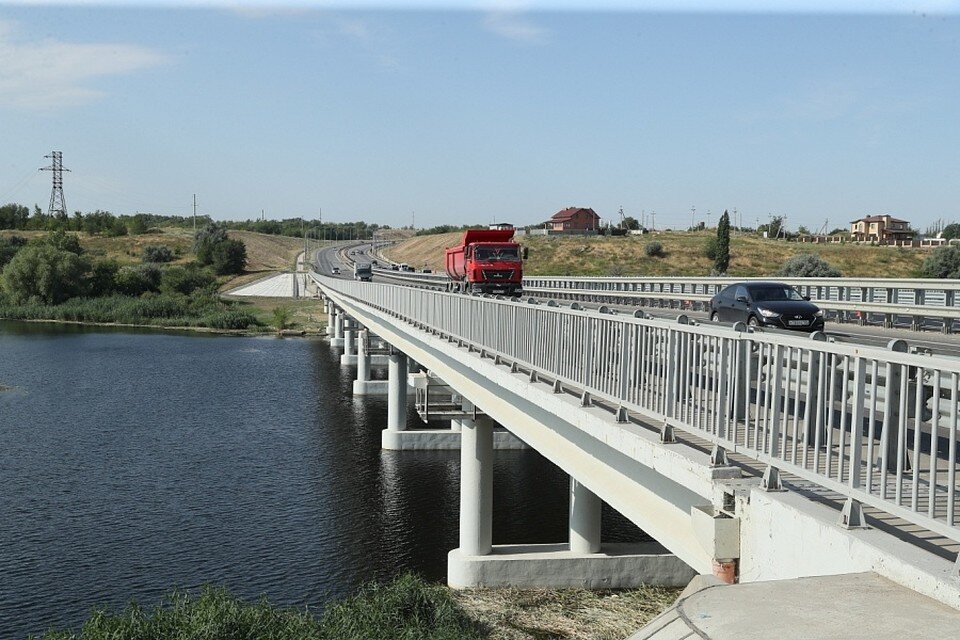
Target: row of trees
(18, 217)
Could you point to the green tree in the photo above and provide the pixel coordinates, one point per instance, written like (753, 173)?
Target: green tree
(229, 257)
(951, 231)
(9, 246)
(42, 273)
(722, 259)
(14, 216)
(631, 223)
(943, 262)
(206, 238)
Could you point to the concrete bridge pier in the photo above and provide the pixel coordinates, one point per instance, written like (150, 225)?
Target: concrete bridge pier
(328, 308)
(349, 331)
(585, 510)
(337, 340)
(476, 486)
(363, 385)
(397, 391)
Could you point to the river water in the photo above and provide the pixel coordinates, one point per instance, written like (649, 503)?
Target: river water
(135, 462)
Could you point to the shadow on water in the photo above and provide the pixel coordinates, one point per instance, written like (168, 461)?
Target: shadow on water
(137, 461)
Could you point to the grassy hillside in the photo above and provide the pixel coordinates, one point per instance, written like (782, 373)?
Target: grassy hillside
(624, 256)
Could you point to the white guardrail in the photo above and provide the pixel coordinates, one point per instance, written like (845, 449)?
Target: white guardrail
(865, 300)
(858, 299)
(878, 426)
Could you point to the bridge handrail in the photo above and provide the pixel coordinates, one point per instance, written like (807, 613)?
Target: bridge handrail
(788, 402)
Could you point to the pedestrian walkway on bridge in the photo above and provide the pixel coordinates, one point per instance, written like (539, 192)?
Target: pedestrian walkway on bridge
(861, 606)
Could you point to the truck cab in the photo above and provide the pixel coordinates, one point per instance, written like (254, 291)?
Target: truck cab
(487, 261)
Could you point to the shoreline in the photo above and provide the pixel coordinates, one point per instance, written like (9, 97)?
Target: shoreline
(286, 333)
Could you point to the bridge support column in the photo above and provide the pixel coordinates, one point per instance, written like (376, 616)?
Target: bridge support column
(349, 331)
(584, 519)
(331, 318)
(337, 340)
(456, 425)
(476, 487)
(396, 401)
(363, 385)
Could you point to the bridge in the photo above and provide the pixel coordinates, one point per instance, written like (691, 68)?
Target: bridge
(745, 454)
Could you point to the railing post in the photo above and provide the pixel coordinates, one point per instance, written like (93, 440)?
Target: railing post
(893, 421)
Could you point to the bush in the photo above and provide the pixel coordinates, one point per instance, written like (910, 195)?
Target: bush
(41, 273)
(711, 248)
(185, 280)
(230, 320)
(808, 265)
(102, 280)
(157, 253)
(943, 262)
(135, 281)
(281, 318)
(206, 238)
(229, 257)
(654, 249)
(63, 241)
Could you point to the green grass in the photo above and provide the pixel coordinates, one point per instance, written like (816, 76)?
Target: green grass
(405, 609)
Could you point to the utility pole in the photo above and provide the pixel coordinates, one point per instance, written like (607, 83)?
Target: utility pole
(195, 214)
(653, 220)
(57, 202)
(693, 217)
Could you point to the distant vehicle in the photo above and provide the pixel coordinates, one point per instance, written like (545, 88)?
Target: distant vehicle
(405, 267)
(427, 271)
(486, 261)
(395, 267)
(335, 271)
(766, 304)
(363, 271)
(376, 264)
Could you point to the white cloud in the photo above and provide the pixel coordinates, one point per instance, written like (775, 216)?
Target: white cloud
(50, 74)
(511, 25)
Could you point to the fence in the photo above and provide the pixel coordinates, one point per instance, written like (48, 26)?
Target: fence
(878, 426)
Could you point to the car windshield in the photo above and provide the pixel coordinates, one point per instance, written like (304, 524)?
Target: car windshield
(497, 254)
(773, 293)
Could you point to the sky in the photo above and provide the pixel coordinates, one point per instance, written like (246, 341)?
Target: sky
(438, 113)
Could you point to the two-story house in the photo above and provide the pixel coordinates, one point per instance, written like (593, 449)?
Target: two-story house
(574, 218)
(882, 229)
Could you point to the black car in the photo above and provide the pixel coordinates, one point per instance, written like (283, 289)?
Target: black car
(766, 304)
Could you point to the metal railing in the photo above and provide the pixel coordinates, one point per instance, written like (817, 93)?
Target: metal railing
(878, 426)
(866, 300)
(861, 299)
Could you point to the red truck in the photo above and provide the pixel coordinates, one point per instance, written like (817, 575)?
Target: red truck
(486, 261)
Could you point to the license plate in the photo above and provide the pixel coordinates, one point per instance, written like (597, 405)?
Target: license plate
(798, 323)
